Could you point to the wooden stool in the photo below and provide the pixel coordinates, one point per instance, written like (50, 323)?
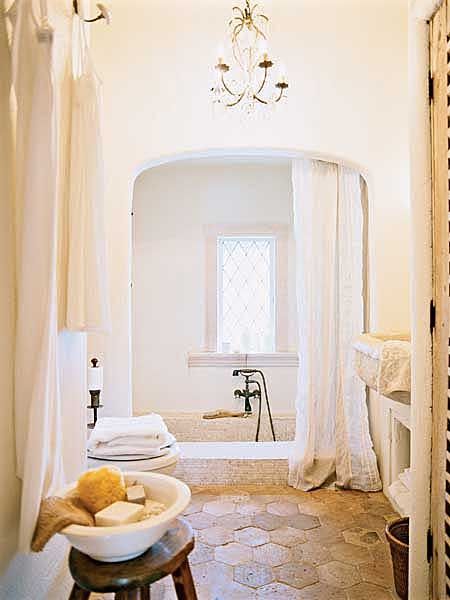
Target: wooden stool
(131, 579)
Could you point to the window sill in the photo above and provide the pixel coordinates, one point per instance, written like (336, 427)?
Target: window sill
(256, 360)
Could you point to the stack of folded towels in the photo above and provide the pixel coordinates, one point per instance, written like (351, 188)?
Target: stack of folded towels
(130, 438)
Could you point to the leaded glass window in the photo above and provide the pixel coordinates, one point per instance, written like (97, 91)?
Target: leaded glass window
(246, 293)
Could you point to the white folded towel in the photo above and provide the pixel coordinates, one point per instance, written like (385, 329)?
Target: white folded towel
(127, 452)
(142, 434)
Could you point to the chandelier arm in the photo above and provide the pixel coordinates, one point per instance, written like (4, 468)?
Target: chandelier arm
(280, 95)
(225, 86)
(258, 31)
(260, 99)
(236, 102)
(236, 31)
(261, 87)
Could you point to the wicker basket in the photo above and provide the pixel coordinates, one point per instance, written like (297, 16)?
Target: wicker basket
(397, 533)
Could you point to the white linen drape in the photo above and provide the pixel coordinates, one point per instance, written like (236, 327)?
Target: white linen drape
(332, 442)
(37, 407)
(49, 428)
(87, 306)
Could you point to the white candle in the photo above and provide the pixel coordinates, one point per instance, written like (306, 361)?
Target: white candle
(95, 378)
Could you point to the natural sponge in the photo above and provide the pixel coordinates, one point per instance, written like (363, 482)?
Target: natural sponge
(99, 488)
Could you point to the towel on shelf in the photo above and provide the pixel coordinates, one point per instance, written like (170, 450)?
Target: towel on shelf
(115, 436)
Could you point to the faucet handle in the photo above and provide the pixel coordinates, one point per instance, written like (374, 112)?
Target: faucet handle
(237, 393)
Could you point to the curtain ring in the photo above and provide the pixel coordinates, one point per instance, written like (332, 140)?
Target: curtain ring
(103, 14)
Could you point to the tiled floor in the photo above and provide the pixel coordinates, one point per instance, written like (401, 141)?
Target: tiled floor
(278, 543)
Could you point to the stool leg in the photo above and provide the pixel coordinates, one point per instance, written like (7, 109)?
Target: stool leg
(144, 593)
(78, 593)
(184, 584)
(128, 595)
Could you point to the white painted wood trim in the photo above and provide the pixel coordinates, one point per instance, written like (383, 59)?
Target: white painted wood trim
(421, 294)
(281, 233)
(257, 360)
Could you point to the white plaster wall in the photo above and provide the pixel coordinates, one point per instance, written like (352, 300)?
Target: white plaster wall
(172, 205)
(347, 63)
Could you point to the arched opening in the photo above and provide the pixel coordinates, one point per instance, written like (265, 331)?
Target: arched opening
(177, 201)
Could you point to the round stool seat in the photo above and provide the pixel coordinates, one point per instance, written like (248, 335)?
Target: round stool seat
(166, 557)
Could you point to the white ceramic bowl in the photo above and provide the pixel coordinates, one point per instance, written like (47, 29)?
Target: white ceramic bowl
(114, 544)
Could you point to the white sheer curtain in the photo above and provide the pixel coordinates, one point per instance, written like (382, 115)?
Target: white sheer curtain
(333, 443)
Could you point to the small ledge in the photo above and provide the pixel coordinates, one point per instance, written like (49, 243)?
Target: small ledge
(257, 359)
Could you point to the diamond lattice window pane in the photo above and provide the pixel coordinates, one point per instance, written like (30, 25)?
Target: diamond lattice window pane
(246, 271)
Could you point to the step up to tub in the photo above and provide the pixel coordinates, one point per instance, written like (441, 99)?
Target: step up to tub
(229, 463)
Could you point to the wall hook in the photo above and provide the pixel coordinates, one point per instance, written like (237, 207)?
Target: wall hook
(104, 13)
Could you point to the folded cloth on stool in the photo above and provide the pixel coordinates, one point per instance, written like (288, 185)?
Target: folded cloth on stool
(55, 514)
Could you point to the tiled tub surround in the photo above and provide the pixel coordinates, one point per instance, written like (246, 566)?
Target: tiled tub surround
(191, 427)
(233, 463)
(280, 543)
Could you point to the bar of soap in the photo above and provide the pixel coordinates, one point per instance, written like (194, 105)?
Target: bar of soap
(136, 494)
(119, 513)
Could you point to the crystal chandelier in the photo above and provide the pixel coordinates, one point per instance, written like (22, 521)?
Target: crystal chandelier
(251, 81)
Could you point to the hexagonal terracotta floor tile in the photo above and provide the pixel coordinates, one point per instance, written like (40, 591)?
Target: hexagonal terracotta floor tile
(322, 591)
(212, 573)
(233, 554)
(271, 554)
(380, 573)
(223, 591)
(282, 508)
(276, 591)
(216, 536)
(252, 536)
(361, 537)
(325, 535)
(350, 554)
(253, 575)
(268, 521)
(302, 521)
(194, 507)
(218, 508)
(363, 591)
(287, 536)
(161, 590)
(201, 553)
(250, 508)
(338, 574)
(369, 521)
(296, 574)
(201, 520)
(311, 553)
(313, 507)
(234, 521)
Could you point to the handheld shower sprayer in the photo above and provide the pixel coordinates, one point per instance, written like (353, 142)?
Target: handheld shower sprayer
(248, 373)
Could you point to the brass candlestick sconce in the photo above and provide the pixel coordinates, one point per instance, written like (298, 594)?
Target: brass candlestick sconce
(95, 386)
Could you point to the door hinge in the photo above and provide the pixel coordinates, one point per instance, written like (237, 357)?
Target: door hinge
(432, 316)
(430, 86)
(429, 545)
